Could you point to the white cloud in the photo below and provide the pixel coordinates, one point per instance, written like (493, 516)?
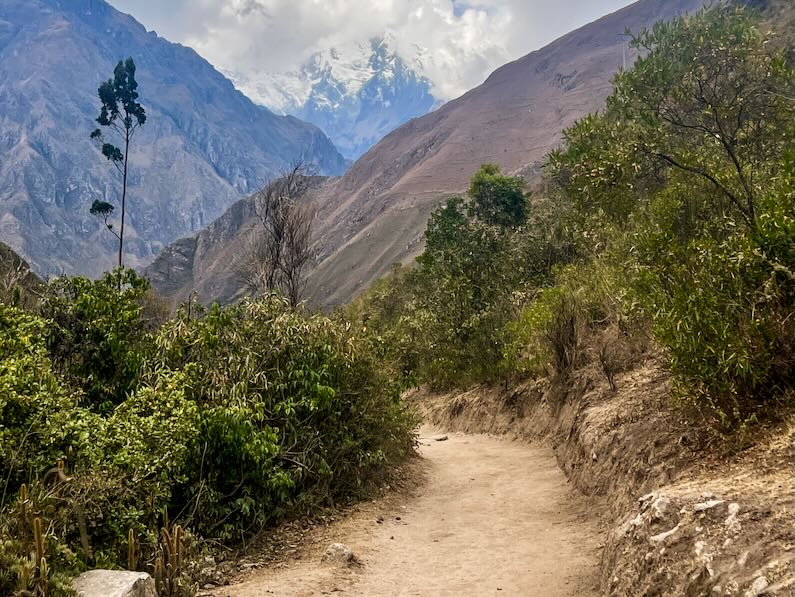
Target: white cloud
(463, 40)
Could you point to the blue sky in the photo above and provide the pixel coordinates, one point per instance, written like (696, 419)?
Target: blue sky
(462, 41)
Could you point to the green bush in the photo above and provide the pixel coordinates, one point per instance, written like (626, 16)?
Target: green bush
(40, 421)
(685, 183)
(294, 410)
(728, 321)
(226, 422)
(96, 336)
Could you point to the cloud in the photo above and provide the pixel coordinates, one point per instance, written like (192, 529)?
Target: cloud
(462, 41)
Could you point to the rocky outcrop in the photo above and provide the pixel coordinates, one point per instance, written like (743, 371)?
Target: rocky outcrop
(204, 146)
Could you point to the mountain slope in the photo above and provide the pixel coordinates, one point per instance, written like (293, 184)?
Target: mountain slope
(203, 147)
(356, 94)
(375, 215)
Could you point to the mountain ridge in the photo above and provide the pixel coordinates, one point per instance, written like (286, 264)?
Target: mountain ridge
(356, 94)
(201, 132)
(375, 214)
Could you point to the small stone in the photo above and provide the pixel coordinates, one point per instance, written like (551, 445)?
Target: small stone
(338, 554)
(663, 536)
(442, 438)
(732, 523)
(757, 587)
(660, 508)
(648, 498)
(703, 506)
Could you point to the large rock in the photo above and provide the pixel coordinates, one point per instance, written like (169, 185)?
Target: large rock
(114, 583)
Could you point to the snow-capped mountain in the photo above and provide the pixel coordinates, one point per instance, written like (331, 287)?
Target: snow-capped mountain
(356, 94)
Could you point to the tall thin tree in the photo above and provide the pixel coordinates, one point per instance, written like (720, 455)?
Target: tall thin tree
(123, 114)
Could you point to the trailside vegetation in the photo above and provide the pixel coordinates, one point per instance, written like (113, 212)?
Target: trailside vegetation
(668, 225)
(122, 442)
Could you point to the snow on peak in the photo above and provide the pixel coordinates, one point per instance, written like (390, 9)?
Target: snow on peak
(356, 93)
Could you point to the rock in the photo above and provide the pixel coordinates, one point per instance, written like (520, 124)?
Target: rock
(758, 587)
(443, 438)
(663, 536)
(338, 554)
(703, 506)
(732, 522)
(114, 583)
(659, 508)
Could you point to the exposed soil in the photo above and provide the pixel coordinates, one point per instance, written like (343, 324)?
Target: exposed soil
(487, 516)
(688, 514)
(670, 510)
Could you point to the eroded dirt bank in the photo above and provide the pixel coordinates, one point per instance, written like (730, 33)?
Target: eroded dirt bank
(490, 517)
(688, 515)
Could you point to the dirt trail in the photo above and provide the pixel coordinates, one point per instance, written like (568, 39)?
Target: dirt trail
(493, 517)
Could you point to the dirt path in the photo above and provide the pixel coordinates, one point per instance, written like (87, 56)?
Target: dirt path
(493, 517)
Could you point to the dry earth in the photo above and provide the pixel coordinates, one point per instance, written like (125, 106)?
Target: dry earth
(490, 517)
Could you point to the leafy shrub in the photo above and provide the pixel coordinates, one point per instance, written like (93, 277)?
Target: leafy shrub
(238, 418)
(40, 422)
(685, 183)
(294, 411)
(96, 336)
(728, 322)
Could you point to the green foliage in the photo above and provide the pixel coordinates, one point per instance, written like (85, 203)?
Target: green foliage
(225, 423)
(497, 199)
(123, 114)
(685, 183)
(120, 109)
(447, 322)
(95, 335)
(294, 411)
(728, 320)
(39, 419)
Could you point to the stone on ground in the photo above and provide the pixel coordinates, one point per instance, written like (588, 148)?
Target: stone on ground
(114, 583)
(338, 554)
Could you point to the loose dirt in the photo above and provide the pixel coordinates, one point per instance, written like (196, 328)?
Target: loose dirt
(491, 517)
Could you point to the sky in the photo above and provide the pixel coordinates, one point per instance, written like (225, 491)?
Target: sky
(461, 41)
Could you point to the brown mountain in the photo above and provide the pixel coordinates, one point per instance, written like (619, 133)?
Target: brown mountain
(204, 146)
(375, 215)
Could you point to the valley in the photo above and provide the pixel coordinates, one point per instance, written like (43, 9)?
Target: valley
(339, 337)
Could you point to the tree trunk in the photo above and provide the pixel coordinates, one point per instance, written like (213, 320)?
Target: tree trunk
(123, 199)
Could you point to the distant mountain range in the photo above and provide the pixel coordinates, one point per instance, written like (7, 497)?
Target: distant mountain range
(204, 145)
(356, 94)
(376, 214)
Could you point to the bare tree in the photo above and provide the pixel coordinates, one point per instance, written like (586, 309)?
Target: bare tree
(18, 284)
(281, 248)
